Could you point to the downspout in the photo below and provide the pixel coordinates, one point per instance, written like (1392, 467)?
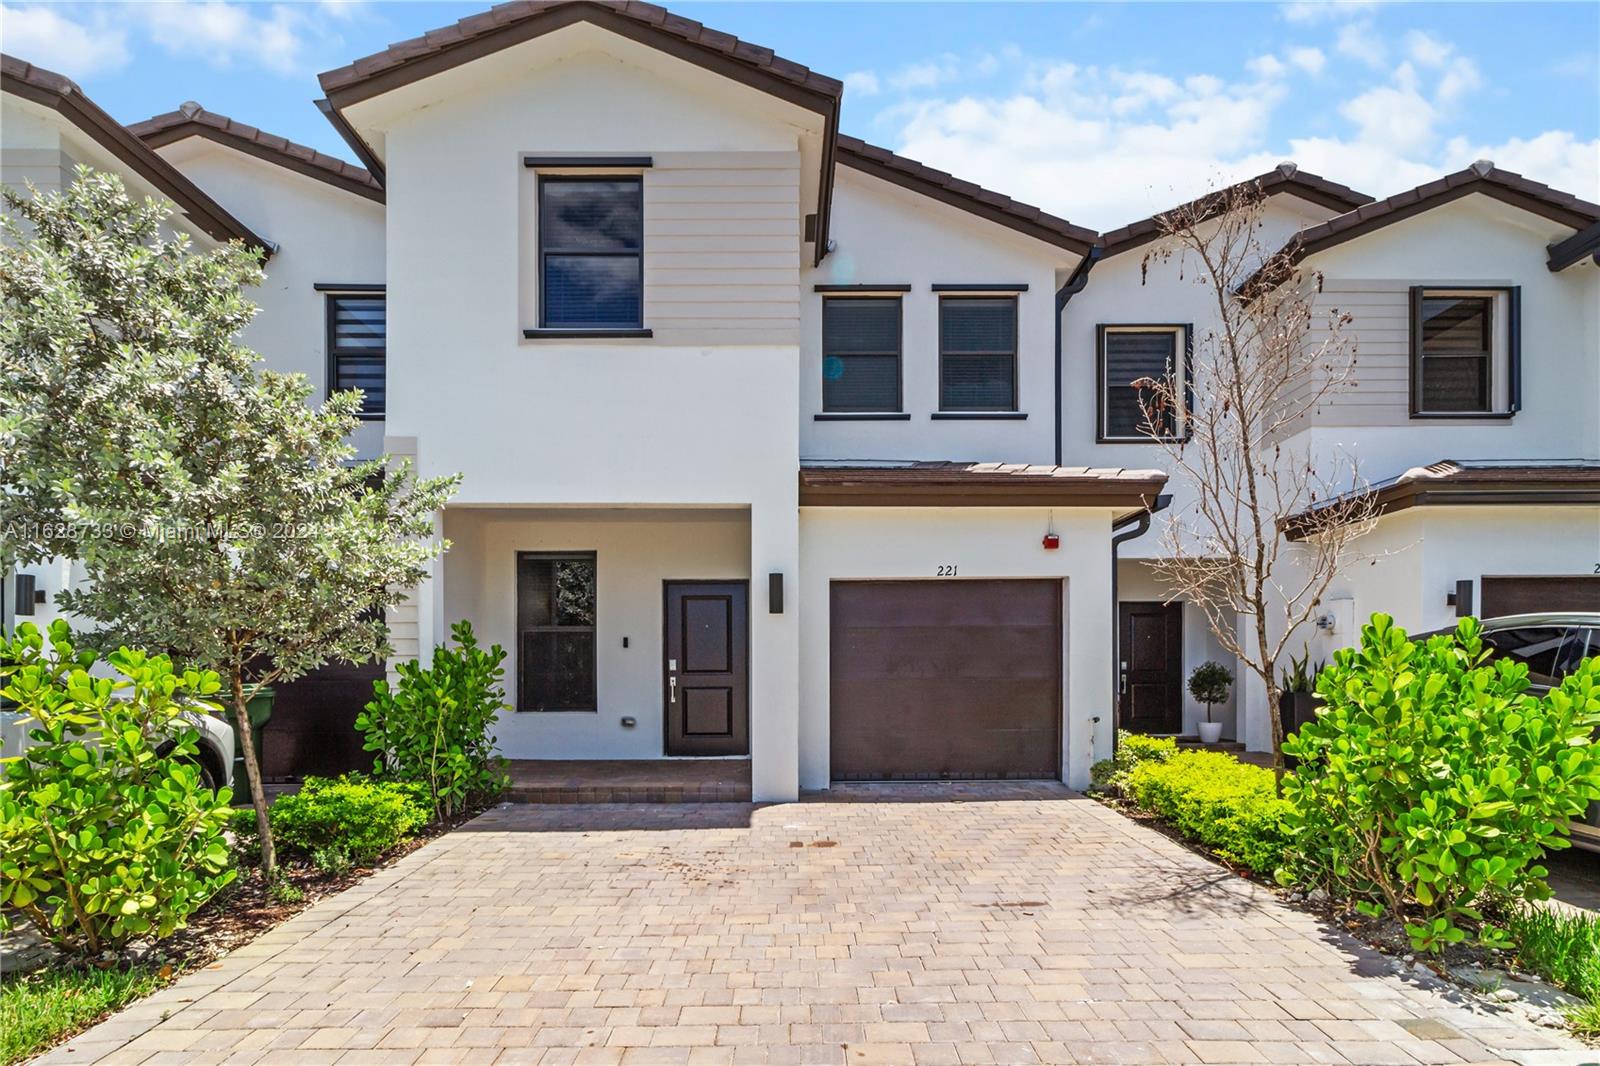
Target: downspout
(1141, 525)
(1073, 286)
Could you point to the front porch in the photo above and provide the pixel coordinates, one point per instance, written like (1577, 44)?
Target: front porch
(629, 781)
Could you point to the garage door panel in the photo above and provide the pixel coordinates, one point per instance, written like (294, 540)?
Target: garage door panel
(1532, 595)
(951, 679)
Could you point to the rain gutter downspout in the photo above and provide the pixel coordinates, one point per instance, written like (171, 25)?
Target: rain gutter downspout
(1073, 286)
(1120, 532)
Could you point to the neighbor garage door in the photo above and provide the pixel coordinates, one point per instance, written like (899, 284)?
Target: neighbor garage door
(1529, 595)
(945, 679)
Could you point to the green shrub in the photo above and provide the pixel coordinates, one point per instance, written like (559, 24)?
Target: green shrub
(1212, 798)
(433, 728)
(345, 820)
(1432, 780)
(1133, 749)
(102, 840)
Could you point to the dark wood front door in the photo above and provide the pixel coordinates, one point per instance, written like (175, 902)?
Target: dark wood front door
(944, 679)
(707, 668)
(1150, 667)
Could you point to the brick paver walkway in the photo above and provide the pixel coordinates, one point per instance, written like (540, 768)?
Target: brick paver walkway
(1037, 928)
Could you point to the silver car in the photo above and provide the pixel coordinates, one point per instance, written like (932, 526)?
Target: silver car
(214, 757)
(1552, 645)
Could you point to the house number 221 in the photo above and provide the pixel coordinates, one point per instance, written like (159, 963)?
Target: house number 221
(946, 570)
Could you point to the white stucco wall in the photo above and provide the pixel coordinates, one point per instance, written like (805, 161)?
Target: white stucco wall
(911, 543)
(887, 235)
(636, 550)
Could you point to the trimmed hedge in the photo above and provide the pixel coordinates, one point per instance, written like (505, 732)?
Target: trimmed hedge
(1132, 749)
(1211, 797)
(348, 818)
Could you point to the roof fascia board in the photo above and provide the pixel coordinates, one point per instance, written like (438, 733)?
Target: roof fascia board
(183, 131)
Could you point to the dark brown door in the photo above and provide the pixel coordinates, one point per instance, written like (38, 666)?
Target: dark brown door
(945, 679)
(707, 668)
(1150, 674)
(1531, 595)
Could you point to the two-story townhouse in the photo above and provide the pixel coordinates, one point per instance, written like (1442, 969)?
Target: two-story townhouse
(763, 428)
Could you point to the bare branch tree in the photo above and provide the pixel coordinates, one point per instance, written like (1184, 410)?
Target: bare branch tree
(1227, 424)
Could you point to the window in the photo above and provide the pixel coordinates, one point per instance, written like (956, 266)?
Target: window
(861, 353)
(357, 341)
(1131, 354)
(977, 353)
(591, 253)
(556, 631)
(1464, 352)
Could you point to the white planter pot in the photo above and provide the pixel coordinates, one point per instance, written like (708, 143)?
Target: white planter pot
(1210, 732)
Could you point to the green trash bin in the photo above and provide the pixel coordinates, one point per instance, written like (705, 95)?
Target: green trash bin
(259, 708)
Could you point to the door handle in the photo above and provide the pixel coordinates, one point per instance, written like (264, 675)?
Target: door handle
(672, 690)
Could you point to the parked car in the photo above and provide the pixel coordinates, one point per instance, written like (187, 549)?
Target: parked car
(1552, 645)
(215, 755)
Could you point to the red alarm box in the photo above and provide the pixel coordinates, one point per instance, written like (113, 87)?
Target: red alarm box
(1052, 541)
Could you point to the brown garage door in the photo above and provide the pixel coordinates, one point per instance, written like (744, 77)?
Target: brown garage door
(945, 679)
(1529, 595)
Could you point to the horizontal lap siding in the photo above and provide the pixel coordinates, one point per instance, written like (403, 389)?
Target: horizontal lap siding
(1380, 337)
(722, 248)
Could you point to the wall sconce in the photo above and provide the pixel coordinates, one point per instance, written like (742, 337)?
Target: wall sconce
(1461, 598)
(775, 593)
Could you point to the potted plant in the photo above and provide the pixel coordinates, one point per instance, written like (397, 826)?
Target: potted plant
(1209, 684)
(1298, 703)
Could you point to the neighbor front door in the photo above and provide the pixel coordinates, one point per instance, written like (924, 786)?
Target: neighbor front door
(1150, 661)
(707, 668)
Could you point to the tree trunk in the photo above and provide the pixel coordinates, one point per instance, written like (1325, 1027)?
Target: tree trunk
(252, 773)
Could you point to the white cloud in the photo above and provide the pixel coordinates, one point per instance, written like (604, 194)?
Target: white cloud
(45, 37)
(1104, 146)
(1310, 60)
(1312, 11)
(1361, 41)
(221, 33)
(926, 75)
(861, 83)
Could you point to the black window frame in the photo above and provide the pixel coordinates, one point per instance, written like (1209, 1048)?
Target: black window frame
(331, 299)
(1015, 353)
(522, 631)
(1102, 386)
(1512, 355)
(898, 353)
(635, 327)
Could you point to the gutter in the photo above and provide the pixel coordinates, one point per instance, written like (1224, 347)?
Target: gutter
(1073, 286)
(1141, 525)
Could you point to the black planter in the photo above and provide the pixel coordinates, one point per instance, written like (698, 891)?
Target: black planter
(1296, 709)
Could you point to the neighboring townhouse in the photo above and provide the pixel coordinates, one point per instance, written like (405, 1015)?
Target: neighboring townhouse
(779, 446)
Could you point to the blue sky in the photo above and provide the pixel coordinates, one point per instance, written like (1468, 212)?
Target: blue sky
(1100, 112)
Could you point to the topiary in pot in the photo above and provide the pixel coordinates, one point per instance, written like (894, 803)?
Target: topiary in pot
(1209, 684)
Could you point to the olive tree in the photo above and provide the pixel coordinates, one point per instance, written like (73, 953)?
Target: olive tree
(219, 516)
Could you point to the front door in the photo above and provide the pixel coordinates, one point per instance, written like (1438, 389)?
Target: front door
(1150, 667)
(707, 667)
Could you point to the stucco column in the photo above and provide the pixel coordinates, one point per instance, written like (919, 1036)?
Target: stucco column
(775, 650)
(1088, 673)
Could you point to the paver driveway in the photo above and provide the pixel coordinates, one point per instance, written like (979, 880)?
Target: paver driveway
(1040, 928)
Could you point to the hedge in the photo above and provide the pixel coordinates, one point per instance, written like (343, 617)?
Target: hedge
(1214, 799)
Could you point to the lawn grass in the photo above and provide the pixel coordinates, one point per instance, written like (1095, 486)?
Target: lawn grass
(1563, 947)
(37, 1010)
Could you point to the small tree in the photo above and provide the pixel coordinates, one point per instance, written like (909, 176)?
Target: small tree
(1209, 684)
(218, 515)
(1255, 379)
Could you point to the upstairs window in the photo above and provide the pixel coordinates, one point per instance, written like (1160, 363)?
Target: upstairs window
(591, 253)
(861, 353)
(1130, 355)
(357, 345)
(1464, 352)
(556, 631)
(977, 353)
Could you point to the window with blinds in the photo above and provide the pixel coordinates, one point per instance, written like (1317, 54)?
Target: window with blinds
(977, 353)
(556, 631)
(861, 353)
(1453, 344)
(357, 343)
(591, 253)
(1129, 356)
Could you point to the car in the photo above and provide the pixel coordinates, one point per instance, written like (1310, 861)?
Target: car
(214, 757)
(1552, 645)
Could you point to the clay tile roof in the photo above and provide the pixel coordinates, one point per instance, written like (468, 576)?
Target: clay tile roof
(512, 23)
(997, 207)
(192, 120)
(1461, 482)
(956, 484)
(1286, 178)
(60, 94)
